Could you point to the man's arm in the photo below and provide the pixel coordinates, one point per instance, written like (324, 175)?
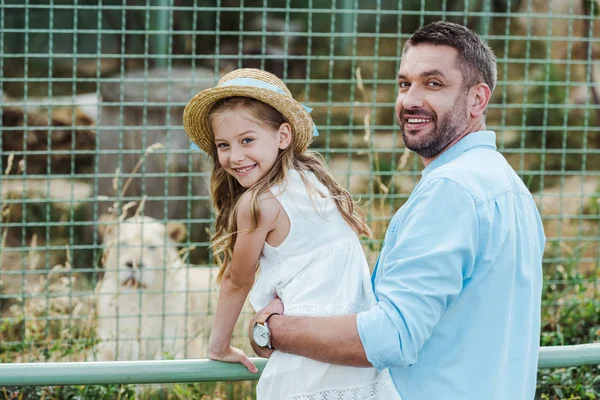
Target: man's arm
(329, 339)
(427, 259)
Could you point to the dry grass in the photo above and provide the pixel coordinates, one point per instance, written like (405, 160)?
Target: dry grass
(565, 206)
(49, 322)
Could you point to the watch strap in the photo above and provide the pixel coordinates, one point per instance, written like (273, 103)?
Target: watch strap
(265, 317)
(270, 315)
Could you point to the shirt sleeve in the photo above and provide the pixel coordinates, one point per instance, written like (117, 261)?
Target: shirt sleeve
(422, 272)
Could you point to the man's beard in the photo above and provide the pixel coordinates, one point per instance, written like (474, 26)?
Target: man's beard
(446, 132)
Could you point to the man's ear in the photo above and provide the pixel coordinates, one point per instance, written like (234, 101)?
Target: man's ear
(480, 97)
(285, 135)
(177, 232)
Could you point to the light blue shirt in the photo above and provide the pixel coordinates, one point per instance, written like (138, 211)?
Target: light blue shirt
(459, 282)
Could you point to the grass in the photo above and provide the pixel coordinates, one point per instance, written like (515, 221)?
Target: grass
(571, 315)
(199, 391)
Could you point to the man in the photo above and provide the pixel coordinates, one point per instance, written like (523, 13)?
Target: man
(459, 277)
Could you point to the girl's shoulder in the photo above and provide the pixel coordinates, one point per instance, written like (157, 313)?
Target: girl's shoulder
(266, 202)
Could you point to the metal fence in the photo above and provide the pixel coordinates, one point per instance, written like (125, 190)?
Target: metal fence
(92, 94)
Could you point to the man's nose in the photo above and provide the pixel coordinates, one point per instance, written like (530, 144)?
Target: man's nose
(411, 98)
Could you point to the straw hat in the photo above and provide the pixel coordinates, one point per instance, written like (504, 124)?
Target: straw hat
(256, 84)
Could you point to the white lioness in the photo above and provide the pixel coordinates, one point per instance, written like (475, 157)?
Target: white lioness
(150, 305)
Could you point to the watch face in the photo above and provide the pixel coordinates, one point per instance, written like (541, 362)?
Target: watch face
(260, 334)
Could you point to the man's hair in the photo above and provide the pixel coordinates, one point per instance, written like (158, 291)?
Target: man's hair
(475, 59)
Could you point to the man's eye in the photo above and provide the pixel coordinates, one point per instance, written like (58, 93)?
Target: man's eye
(434, 84)
(403, 85)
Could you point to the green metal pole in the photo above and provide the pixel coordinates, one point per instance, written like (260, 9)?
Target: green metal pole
(160, 37)
(569, 356)
(170, 371)
(124, 372)
(345, 26)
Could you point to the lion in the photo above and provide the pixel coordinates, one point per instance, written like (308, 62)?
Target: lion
(150, 305)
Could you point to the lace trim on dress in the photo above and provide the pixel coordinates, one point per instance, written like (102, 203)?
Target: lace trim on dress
(357, 393)
(316, 310)
(271, 257)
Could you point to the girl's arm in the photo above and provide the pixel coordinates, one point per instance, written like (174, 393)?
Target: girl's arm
(239, 277)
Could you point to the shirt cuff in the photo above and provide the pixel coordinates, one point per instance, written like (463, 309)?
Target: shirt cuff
(379, 338)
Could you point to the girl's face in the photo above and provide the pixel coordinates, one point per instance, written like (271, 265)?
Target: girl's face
(247, 150)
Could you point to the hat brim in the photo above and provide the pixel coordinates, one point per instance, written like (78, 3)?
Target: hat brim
(195, 115)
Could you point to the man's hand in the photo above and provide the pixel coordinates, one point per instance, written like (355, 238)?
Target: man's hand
(275, 306)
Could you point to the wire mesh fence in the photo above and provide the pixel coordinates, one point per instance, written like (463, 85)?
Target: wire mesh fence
(93, 146)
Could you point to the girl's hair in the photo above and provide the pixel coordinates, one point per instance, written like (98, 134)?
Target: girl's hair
(226, 190)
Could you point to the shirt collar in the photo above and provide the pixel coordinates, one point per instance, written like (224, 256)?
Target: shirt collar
(474, 139)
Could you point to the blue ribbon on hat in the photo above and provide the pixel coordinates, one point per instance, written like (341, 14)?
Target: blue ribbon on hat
(261, 85)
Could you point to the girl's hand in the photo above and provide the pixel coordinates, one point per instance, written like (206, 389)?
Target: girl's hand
(233, 355)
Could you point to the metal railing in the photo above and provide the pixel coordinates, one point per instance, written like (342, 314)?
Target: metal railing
(172, 371)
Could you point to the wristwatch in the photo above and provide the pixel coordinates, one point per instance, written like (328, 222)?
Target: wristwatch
(261, 333)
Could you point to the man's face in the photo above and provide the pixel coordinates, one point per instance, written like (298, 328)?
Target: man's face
(432, 105)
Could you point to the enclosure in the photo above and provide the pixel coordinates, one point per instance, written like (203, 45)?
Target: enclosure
(92, 96)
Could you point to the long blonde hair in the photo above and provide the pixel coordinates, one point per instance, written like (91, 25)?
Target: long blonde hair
(226, 190)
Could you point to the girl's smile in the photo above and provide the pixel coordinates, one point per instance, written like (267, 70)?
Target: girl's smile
(244, 170)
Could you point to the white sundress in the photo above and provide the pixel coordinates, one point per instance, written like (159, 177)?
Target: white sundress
(319, 270)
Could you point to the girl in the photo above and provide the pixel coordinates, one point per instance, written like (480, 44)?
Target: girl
(277, 204)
